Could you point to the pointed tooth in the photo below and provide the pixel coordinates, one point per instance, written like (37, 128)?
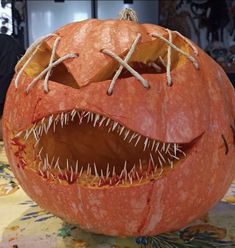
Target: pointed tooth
(138, 139)
(114, 172)
(126, 134)
(97, 117)
(157, 145)
(81, 171)
(151, 158)
(167, 148)
(88, 170)
(102, 174)
(43, 119)
(107, 171)
(146, 143)
(153, 145)
(102, 120)
(71, 176)
(95, 170)
(18, 134)
(67, 164)
(175, 149)
(114, 125)
(162, 157)
(130, 178)
(107, 122)
(121, 130)
(73, 113)
(66, 176)
(137, 175)
(163, 146)
(133, 136)
(76, 167)
(141, 167)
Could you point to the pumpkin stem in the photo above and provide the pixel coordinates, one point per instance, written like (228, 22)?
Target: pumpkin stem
(128, 14)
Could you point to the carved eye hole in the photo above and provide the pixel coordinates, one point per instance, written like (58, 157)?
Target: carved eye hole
(41, 60)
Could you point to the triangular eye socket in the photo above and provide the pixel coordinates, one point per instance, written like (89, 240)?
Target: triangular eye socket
(40, 61)
(61, 75)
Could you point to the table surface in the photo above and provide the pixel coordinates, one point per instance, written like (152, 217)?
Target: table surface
(23, 224)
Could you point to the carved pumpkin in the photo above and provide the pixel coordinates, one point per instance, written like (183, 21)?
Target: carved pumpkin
(123, 128)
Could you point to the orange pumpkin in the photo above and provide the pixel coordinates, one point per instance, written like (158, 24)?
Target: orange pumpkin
(123, 128)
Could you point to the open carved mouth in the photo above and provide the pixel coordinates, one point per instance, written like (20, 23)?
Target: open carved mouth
(84, 147)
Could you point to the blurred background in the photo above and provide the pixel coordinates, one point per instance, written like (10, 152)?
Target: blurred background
(209, 23)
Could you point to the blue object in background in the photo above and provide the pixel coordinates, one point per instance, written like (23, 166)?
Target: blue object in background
(232, 78)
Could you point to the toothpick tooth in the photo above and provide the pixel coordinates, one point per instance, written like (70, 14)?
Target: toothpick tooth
(40, 151)
(159, 160)
(126, 134)
(138, 139)
(162, 157)
(92, 115)
(132, 171)
(107, 171)
(18, 134)
(102, 120)
(35, 135)
(66, 176)
(175, 149)
(102, 174)
(171, 163)
(67, 164)
(88, 116)
(81, 171)
(97, 117)
(62, 119)
(88, 170)
(140, 163)
(146, 143)
(173, 156)
(167, 148)
(121, 130)
(71, 175)
(57, 163)
(151, 158)
(66, 119)
(153, 145)
(54, 125)
(48, 175)
(141, 179)
(157, 145)
(137, 175)
(107, 122)
(43, 119)
(114, 172)
(61, 173)
(132, 137)
(163, 146)
(41, 172)
(125, 170)
(114, 125)
(95, 169)
(130, 178)
(73, 114)
(50, 120)
(181, 152)
(76, 167)
(53, 177)
(35, 145)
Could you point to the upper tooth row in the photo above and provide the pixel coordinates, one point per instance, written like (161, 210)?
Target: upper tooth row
(63, 118)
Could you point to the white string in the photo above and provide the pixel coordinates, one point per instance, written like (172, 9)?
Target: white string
(130, 69)
(32, 47)
(58, 61)
(45, 83)
(168, 67)
(191, 58)
(188, 41)
(128, 56)
(35, 46)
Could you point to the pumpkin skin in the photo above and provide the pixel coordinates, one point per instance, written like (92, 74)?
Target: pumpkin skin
(198, 111)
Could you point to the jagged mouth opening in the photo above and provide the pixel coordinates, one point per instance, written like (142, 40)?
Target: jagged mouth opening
(87, 148)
